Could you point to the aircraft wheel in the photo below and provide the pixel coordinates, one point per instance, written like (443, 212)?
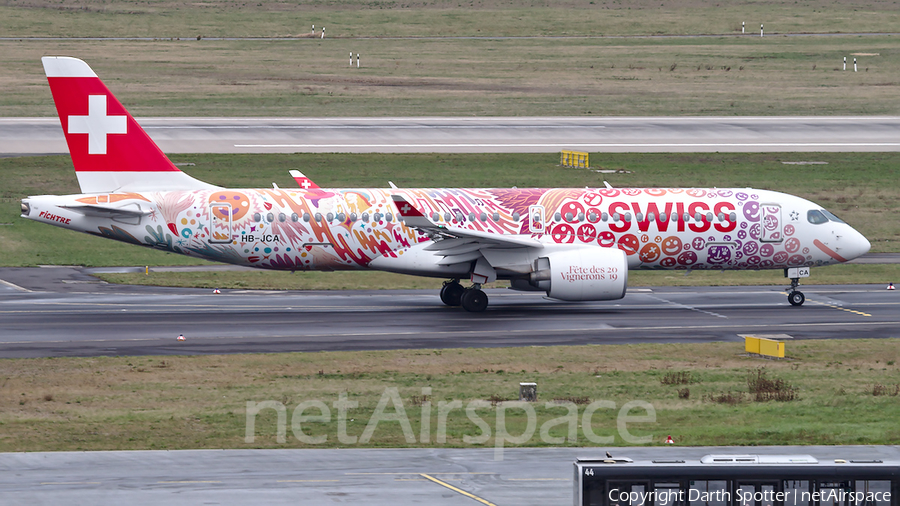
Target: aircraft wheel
(451, 293)
(474, 300)
(796, 298)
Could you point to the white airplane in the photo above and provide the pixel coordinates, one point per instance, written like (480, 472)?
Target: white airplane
(574, 244)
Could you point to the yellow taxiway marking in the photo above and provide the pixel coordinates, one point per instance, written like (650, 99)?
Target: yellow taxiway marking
(841, 308)
(457, 490)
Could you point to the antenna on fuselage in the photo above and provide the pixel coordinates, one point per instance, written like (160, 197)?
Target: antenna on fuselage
(393, 185)
(608, 186)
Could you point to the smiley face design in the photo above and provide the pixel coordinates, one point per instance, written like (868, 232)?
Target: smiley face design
(629, 244)
(587, 233)
(608, 192)
(668, 262)
(649, 253)
(742, 234)
(606, 239)
(789, 230)
(698, 243)
(655, 192)
(792, 245)
(696, 192)
(687, 258)
(751, 248)
(671, 245)
(592, 199)
(780, 257)
(751, 211)
(754, 231)
(563, 234)
(741, 196)
(631, 192)
(571, 209)
(753, 260)
(796, 260)
(718, 254)
(239, 203)
(767, 250)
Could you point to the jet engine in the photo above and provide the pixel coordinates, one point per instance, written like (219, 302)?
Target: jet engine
(590, 273)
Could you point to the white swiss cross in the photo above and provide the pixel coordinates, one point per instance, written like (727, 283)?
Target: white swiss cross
(405, 208)
(97, 124)
(306, 184)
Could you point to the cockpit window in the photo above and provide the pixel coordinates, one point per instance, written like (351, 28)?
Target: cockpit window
(819, 216)
(832, 217)
(816, 217)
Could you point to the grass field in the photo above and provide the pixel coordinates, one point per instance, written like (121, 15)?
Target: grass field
(473, 77)
(845, 392)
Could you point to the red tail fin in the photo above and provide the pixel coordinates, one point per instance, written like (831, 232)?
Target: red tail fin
(110, 151)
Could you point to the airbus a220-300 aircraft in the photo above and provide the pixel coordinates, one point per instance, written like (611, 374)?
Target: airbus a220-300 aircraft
(573, 244)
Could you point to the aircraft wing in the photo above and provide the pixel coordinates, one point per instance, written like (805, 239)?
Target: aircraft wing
(455, 240)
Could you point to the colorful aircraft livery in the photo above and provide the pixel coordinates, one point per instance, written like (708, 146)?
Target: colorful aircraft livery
(573, 244)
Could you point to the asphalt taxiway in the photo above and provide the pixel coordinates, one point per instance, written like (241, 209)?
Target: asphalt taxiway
(391, 477)
(36, 136)
(67, 312)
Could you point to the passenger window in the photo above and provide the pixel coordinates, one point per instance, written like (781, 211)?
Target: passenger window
(816, 217)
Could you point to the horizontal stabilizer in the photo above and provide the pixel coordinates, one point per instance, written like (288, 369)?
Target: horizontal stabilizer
(95, 211)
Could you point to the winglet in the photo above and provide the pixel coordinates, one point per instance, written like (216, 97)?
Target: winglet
(304, 182)
(412, 216)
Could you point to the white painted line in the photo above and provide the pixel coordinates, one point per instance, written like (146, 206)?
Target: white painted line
(14, 286)
(591, 145)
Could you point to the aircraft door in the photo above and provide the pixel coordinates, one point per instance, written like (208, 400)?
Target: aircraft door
(219, 223)
(536, 219)
(771, 223)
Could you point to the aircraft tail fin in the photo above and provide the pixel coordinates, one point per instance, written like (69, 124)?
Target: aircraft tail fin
(110, 151)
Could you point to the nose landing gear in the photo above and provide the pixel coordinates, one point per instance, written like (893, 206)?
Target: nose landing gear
(795, 296)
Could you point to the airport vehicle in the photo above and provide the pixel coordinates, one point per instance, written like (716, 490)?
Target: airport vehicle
(573, 244)
(736, 480)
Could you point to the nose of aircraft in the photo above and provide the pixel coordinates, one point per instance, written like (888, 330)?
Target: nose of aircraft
(854, 244)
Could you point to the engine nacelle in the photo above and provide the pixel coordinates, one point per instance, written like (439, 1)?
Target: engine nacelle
(582, 274)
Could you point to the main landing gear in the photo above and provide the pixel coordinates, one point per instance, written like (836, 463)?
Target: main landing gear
(795, 296)
(471, 299)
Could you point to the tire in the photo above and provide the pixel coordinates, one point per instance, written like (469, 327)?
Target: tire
(796, 298)
(474, 301)
(451, 293)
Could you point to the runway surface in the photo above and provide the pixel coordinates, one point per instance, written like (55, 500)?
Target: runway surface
(36, 136)
(65, 312)
(532, 476)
